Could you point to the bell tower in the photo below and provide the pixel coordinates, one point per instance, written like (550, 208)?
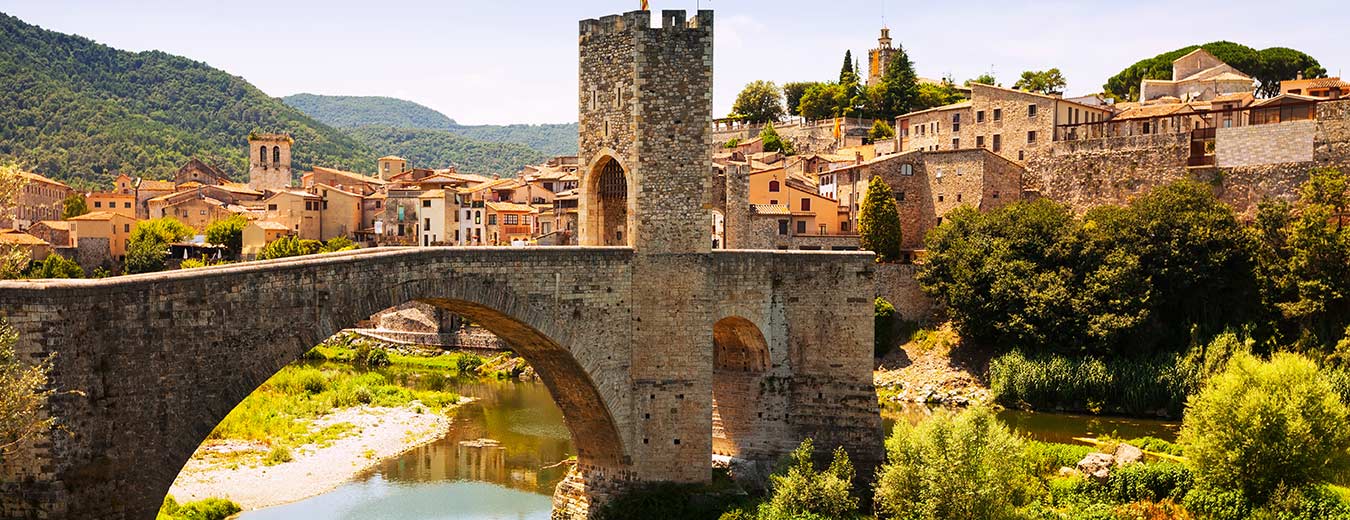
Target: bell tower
(269, 161)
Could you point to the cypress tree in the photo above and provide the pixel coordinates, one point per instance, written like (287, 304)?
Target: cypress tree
(847, 71)
(900, 85)
(879, 222)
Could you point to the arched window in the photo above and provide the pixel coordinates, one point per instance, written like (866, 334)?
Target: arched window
(276, 155)
(773, 186)
(262, 155)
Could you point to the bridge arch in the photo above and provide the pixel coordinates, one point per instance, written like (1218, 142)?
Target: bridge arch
(741, 360)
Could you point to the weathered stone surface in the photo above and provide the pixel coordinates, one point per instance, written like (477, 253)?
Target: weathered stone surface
(1096, 465)
(1127, 454)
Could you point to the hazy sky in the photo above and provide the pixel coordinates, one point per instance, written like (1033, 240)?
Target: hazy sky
(500, 61)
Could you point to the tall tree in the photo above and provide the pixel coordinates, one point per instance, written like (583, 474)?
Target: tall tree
(759, 102)
(13, 259)
(847, 70)
(879, 222)
(793, 92)
(900, 86)
(1041, 81)
(822, 101)
(774, 142)
(228, 232)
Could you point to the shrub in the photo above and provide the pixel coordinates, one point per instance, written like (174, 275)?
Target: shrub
(1045, 458)
(1052, 381)
(952, 466)
(879, 222)
(468, 363)
(54, 266)
(800, 491)
(883, 326)
(1148, 482)
(1157, 445)
(1262, 425)
(880, 131)
(208, 509)
(377, 358)
(279, 454)
(1215, 504)
(663, 500)
(312, 381)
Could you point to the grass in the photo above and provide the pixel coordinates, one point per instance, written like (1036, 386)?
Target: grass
(1093, 385)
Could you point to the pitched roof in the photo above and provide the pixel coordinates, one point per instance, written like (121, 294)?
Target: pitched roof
(267, 224)
(769, 209)
(19, 238)
(392, 158)
(55, 224)
(33, 177)
(1313, 83)
(351, 175)
(510, 206)
(98, 216)
(154, 185)
(1147, 111)
(944, 108)
(432, 194)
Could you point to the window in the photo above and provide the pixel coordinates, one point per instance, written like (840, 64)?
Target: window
(126, 228)
(806, 204)
(773, 201)
(426, 203)
(271, 207)
(262, 155)
(492, 220)
(1031, 110)
(956, 122)
(478, 217)
(958, 197)
(998, 114)
(996, 194)
(801, 227)
(98, 204)
(956, 144)
(940, 198)
(774, 186)
(998, 143)
(782, 227)
(1031, 137)
(956, 127)
(907, 169)
(824, 230)
(899, 196)
(1146, 127)
(126, 205)
(979, 141)
(427, 226)
(1021, 155)
(979, 117)
(276, 155)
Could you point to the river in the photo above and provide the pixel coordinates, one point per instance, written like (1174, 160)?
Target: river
(447, 480)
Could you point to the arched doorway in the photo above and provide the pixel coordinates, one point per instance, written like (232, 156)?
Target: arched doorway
(608, 211)
(740, 360)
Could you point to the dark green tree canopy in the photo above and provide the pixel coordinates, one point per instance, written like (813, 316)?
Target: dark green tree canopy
(985, 79)
(847, 70)
(759, 102)
(1041, 82)
(899, 86)
(1268, 66)
(879, 222)
(793, 92)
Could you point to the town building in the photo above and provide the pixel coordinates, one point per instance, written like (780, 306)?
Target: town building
(258, 233)
(1197, 76)
(339, 212)
(101, 237)
(1322, 88)
(391, 165)
(435, 209)
(112, 201)
(509, 223)
(269, 161)
(298, 210)
(34, 248)
(54, 232)
(40, 199)
(351, 182)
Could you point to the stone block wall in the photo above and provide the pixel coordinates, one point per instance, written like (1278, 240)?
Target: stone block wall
(1288, 142)
(927, 185)
(895, 282)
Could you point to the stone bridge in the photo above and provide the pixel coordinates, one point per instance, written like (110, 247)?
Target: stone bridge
(659, 350)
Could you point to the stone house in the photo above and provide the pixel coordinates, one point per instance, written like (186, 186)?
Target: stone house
(297, 210)
(33, 247)
(1197, 76)
(339, 212)
(391, 165)
(344, 180)
(54, 232)
(40, 199)
(259, 233)
(508, 222)
(395, 220)
(108, 231)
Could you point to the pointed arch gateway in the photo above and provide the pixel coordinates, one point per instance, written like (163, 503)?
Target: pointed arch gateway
(607, 204)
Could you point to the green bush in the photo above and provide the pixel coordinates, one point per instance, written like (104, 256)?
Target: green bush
(1157, 445)
(54, 266)
(1045, 458)
(663, 500)
(468, 363)
(1151, 482)
(799, 491)
(1089, 384)
(1260, 426)
(279, 454)
(377, 358)
(1215, 504)
(952, 466)
(884, 321)
(207, 509)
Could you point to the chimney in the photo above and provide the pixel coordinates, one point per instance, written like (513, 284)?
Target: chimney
(1300, 76)
(857, 158)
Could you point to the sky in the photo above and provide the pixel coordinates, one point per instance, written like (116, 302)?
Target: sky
(502, 61)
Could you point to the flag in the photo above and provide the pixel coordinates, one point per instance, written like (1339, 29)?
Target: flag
(645, 7)
(837, 129)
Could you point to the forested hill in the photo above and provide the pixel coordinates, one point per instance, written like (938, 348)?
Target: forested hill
(361, 111)
(76, 110)
(357, 111)
(440, 148)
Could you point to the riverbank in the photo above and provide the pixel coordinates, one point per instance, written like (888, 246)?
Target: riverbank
(239, 470)
(930, 369)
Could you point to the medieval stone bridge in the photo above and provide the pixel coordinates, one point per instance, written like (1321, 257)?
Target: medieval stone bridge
(659, 350)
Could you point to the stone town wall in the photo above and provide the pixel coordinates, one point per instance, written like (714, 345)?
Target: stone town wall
(927, 185)
(895, 282)
(1083, 174)
(92, 253)
(1288, 142)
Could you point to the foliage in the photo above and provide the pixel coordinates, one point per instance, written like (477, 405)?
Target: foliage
(792, 94)
(336, 244)
(292, 245)
(1268, 66)
(1128, 280)
(73, 206)
(279, 455)
(879, 222)
(442, 148)
(900, 88)
(884, 322)
(822, 101)
(1041, 81)
(13, 259)
(206, 509)
(937, 94)
(1149, 482)
(228, 232)
(358, 111)
(984, 79)
(54, 266)
(666, 500)
(952, 466)
(23, 393)
(881, 130)
(150, 241)
(773, 142)
(76, 110)
(1260, 426)
(759, 102)
(801, 491)
(1045, 458)
(550, 139)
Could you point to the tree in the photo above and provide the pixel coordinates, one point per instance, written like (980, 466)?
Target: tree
(936, 95)
(289, 246)
(73, 206)
(879, 222)
(54, 266)
(759, 102)
(802, 491)
(1328, 187)
(984, 79)
(900, 86)
(880, 131)
(952, 466)
(1269, 67)
(13, 259)
(1281, 63)
(1261, 426)
(773, 142)
(228, 232)
(883, 326)
(793, 92)
(1041, 81)
(847, 73)
(23, 393)
(150, 241)
(337, 244)
(821, 101)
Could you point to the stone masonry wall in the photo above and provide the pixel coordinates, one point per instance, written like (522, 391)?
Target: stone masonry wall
(1288, 142)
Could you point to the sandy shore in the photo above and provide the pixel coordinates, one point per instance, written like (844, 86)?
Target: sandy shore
(216, 469)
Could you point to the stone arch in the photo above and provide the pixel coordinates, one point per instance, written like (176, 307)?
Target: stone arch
(740, 362)
(608, 203)
(276, 155)
(262, 155)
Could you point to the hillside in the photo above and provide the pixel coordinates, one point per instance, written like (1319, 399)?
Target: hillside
(440, 148)
(359, 111)
(76, 110)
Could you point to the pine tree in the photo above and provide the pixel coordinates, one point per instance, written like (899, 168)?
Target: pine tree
(847, 72)
(879, 222)
(900, 85)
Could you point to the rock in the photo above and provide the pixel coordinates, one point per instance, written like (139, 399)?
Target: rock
(1097, 465)
(1065, 471)
(750, 474)
(1126, 454)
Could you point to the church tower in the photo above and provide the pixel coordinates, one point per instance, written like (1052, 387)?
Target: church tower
(880, 57)
(269, 161)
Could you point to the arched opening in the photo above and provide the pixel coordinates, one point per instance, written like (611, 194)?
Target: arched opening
(740, 360)
(262, 155)
(608, 210)
(594, 437)
(276, 155)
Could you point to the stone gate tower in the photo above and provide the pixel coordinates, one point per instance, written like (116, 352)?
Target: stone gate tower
(269, 161)
(645, 118)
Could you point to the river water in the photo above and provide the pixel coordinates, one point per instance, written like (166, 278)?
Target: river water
(514, 480)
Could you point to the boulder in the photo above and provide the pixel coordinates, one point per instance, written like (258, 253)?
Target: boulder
(1126, 454)
(1097, 465)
